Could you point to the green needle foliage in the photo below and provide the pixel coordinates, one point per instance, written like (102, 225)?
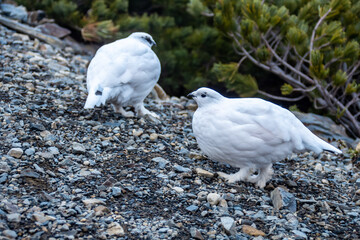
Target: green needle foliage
(313, 46)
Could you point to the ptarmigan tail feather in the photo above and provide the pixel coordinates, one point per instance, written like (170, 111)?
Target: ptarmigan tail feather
(328, 147)
(316, 144)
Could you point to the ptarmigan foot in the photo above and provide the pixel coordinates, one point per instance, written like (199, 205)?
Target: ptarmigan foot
(142, 111)
(242, 174)
(263, 176)
(121, 110)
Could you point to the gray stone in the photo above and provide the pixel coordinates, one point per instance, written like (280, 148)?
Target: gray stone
(78, 148)
(3, 177)
(228, 223)
(30, 151)
(182, 169)
(13, 217)
(9, 233)
(116, 191)
(299, 234)
(202, 195)
(163, 230)
(17, 12)
(54, 150)
(283, 199)
(163, 176)
(192, 208)
(4, 167)
(196, 233)
(259, 215)
(46, 155)
(357, 182)
(161, 162)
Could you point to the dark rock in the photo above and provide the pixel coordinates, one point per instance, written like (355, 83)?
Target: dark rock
(29, 173)
(37, 126)
(54, 30)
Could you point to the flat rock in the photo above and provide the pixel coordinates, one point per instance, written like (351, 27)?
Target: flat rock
(179, 168)
(39, 217)
(252, 231)
(29, 173)
(299, 235)
(203, 173)
(54, 30)
(92, 201)
(115, 229)
(101, 210)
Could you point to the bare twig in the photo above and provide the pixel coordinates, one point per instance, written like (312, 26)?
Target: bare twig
(272, 68)
(281, 98)
(207, 14)
(316, 27)
(307, 78)
(353, 70)
(310, 89)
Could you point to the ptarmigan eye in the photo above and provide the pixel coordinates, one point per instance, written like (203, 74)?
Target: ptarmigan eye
(203, 95)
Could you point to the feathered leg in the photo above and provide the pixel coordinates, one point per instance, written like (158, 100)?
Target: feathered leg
(121, 110)
(263, 176)
(241, 175)
(142, 111)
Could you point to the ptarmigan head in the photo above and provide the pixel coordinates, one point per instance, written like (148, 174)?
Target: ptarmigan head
(204, 96)
(144, 38)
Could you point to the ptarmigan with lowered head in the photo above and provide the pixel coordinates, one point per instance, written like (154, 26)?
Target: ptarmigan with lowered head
(123, 73)
(250, 134)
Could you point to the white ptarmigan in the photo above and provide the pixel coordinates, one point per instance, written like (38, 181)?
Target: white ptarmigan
(250, 134)
(123, 73)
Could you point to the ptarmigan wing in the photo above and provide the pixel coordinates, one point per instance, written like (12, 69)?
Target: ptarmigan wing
(114, 63)
(274, 126)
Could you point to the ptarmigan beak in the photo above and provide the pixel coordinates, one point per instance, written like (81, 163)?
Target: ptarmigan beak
(191, 95)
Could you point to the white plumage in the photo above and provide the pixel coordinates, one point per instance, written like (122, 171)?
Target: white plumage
(123, 73)
(250, 134)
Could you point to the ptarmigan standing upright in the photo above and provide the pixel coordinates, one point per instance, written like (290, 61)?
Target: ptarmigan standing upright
(250, 134)
(123, 73)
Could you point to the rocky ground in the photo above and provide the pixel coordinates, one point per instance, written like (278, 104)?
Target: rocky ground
(70, 173)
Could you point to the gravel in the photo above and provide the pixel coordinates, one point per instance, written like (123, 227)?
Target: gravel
(70, 173)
